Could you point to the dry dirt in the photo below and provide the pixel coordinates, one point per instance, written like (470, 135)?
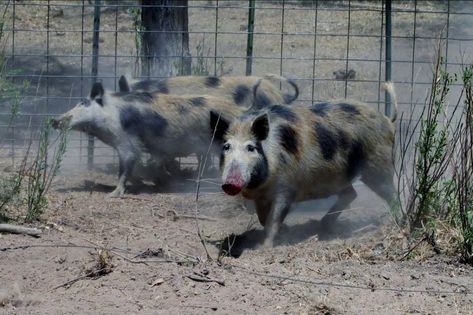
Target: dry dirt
(151, 236)
(155, 251)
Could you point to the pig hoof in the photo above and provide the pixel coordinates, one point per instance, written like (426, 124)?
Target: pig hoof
(268, 243)
(117, 193)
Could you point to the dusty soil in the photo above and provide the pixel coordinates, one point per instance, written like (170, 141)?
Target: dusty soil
(155, 251)
(151, 236)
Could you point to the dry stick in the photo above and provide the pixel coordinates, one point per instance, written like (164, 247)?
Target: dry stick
(16, 229)
(200, 217)
(199, 176)
(423, 239)
(71, 282)
(199, 278)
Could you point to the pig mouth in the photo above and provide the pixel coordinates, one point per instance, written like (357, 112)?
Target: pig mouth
(234, 182)
(60, 123)
(231, 189)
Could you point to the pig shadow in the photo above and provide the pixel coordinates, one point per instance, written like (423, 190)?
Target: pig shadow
(234, 245)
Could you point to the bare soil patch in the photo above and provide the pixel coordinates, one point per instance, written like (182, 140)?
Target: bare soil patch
(157, 263)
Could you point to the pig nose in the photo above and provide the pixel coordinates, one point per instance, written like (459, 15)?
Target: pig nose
(234, 182)
(55, 123)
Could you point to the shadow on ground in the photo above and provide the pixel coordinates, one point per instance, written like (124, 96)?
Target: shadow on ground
(234, 245)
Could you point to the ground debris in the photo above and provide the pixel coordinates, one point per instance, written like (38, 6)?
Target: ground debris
(203, 277)
(151, 253)
(16, 229)
(102, 266)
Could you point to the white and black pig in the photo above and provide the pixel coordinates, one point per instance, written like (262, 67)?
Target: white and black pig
(166, 126)
(238, 89)
(284, 154)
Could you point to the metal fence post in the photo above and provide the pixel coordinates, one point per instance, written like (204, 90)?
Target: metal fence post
(388, 26)
(249, 43)
(95, 65)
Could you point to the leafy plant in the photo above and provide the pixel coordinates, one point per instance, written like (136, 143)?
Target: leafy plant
(42, 171)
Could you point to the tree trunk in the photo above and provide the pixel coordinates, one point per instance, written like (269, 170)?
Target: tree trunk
(165, 45)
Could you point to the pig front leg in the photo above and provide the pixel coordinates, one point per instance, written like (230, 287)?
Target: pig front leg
(125, 167)
(276, 214)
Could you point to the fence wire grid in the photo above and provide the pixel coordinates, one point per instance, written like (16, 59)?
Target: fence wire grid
(331, 49)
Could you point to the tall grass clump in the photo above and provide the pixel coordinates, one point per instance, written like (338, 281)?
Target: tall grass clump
(435, 164)
(41, 172)
(23, 189)
(463, 172)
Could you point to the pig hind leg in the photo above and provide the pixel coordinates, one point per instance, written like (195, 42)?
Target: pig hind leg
(345, 198)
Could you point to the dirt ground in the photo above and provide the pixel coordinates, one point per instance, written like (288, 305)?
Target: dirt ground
(159, 266)
(152, 259)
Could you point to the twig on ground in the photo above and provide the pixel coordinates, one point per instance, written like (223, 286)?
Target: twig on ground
(71, 282)
(200, 217)
(420, 241)
(202, 278)
(16, 229)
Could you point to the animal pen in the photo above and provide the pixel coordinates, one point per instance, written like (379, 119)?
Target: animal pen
(331, 49)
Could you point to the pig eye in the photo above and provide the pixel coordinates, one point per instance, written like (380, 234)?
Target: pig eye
(226, 147)
(250, 148)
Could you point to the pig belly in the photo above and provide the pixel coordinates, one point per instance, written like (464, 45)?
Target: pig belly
(321, 188)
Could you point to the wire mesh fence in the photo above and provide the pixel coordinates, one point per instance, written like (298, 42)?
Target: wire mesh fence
(331, 49)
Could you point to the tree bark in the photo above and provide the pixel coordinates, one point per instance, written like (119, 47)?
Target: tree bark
(165, 40)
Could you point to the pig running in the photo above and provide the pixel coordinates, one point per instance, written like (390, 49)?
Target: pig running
(281, 154)
(238, 89)
(166, 126)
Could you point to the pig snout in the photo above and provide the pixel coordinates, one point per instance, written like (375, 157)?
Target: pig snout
(55, 123)
(61, 122)
(234, 182)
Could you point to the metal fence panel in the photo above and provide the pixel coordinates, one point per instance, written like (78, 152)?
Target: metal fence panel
(330, 48)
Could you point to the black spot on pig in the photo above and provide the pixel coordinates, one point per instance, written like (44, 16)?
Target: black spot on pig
(289, 139)
(219, 125)
(320, 109)
(198, 101)
(348, 108)
(262, 100)
(260, 171)
(212, 81)
(327, 141)
(241, 93)
(284, 113)
(343, 140)
(145, 124)
(152, 85)
(355, 159)
(138, 97)
(182, 109)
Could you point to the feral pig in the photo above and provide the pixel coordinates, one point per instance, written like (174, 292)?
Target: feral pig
(239, 89)
(166, 126)
(281, 154)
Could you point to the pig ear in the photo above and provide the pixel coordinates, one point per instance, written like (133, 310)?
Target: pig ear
(260, 127)
(219, 124)
(123, 84)
(97, 92)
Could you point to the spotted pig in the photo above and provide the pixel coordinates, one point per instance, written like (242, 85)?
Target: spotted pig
(166, 126)
(237, 89)
(281, 154)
